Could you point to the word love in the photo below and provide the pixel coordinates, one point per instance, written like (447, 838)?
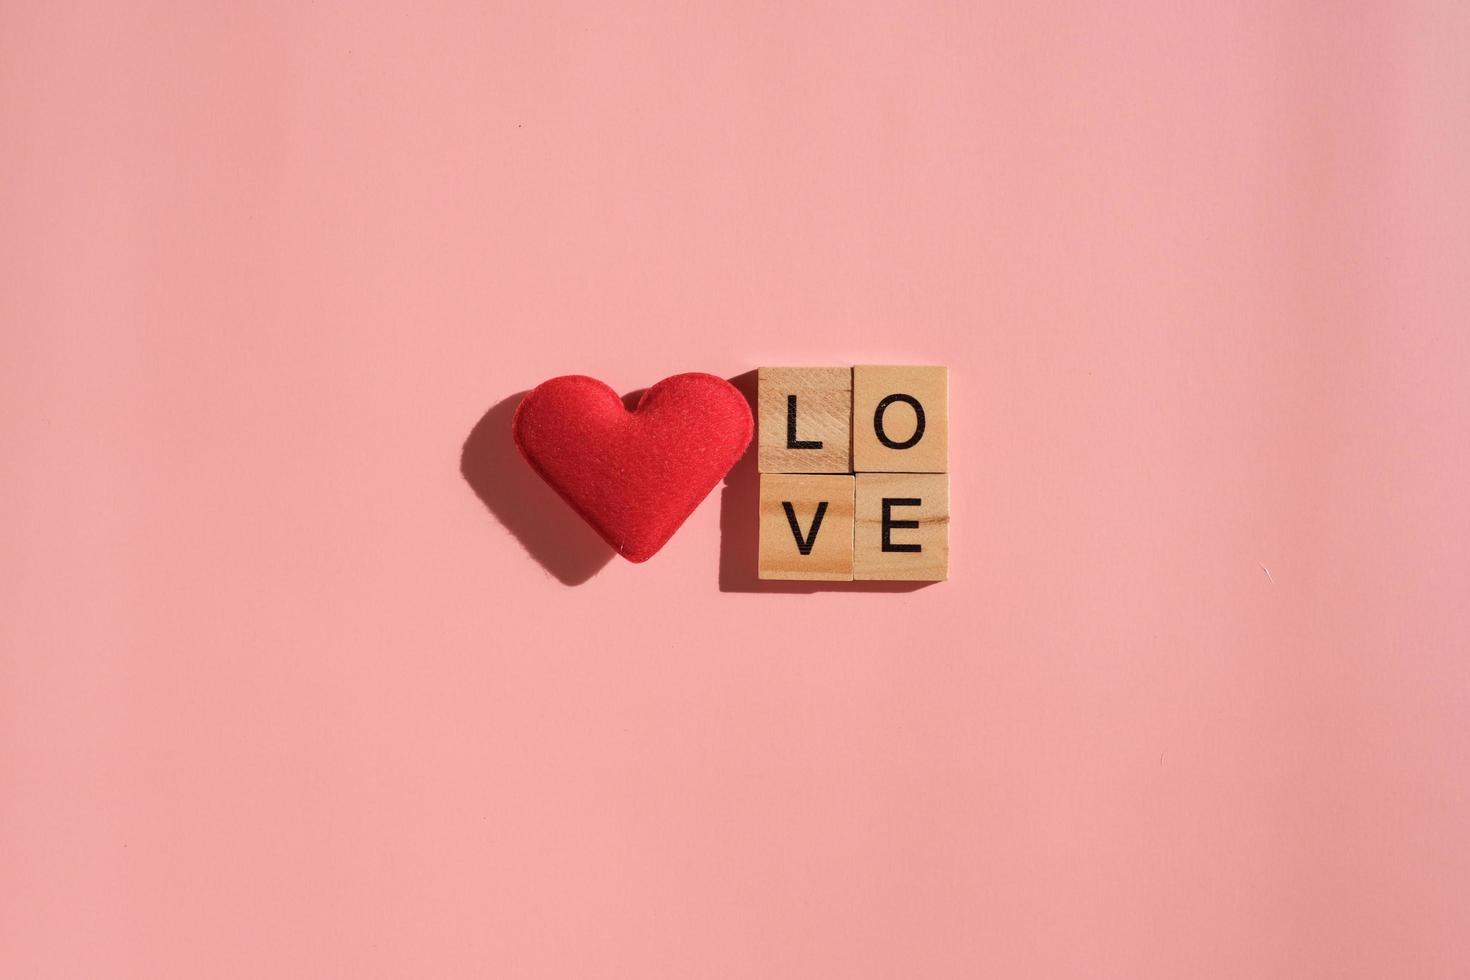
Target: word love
(854, 473)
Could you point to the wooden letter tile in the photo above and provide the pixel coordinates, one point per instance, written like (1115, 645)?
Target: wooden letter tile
(902, 530)
(806, 527)
(900, 419)
(805, 420)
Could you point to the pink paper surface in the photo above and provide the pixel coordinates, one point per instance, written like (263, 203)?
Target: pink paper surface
(281, 696)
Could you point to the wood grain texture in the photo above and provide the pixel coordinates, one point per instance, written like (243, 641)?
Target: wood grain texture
(830, 548)
(896, 389)
(823, 415)
(931, 562)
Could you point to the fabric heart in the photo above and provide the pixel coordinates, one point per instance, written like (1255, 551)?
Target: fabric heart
(634, 476)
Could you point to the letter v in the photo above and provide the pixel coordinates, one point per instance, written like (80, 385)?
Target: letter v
(804, 545)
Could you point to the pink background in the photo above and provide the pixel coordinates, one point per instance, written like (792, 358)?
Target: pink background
(283, 697)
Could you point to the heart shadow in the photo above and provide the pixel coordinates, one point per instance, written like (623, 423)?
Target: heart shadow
(740, 528)
(549, 530)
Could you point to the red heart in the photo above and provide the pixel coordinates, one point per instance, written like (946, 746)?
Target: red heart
(634, 476)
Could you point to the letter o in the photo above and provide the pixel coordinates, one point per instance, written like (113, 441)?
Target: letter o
(918, 417)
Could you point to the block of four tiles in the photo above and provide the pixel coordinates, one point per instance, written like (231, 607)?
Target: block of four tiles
(854, 473)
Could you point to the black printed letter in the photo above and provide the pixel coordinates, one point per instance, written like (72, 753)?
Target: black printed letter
(918, 417)
(791, 441)
(804, 545)
(889, 523)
